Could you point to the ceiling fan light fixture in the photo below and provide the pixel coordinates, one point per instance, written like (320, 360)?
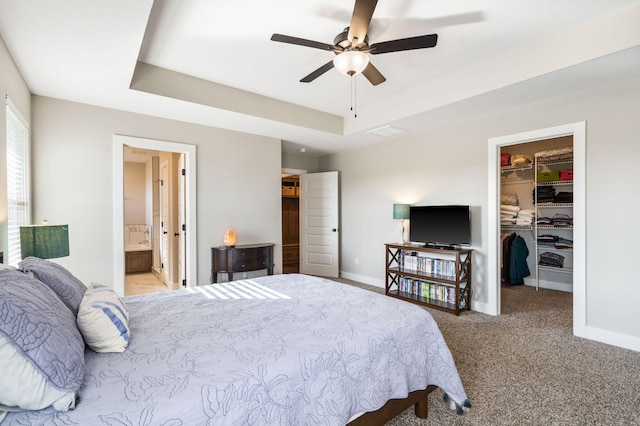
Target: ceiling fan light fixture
(351, 62)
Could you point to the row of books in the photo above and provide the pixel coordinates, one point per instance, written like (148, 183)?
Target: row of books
(427, 290)
(427, 265)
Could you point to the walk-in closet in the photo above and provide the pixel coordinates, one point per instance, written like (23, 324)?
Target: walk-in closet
(536, 214)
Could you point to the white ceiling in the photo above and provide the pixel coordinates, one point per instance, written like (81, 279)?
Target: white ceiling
(212, 62)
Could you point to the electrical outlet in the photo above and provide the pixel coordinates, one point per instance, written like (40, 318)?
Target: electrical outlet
(357, 261)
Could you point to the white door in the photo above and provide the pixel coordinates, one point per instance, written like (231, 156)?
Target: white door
(164, 221)
(319, 248)
(182, 238)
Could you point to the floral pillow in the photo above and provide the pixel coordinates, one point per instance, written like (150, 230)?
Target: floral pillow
(68, 288)
(41, 349)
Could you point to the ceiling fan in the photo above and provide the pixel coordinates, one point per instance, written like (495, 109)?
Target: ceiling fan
(352, 47)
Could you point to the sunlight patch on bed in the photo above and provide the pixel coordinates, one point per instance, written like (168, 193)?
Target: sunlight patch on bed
(243, 289)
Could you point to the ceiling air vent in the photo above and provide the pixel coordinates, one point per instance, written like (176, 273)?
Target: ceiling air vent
(386, 131)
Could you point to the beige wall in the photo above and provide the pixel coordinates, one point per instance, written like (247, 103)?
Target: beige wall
(239, 185)
(134, 194)
(11, 84)
(449, 165)
(238, 181)
(300, 162)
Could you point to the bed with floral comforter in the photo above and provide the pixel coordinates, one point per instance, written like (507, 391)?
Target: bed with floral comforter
(274, 350)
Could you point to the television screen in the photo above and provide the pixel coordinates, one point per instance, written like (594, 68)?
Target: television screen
(440, 225)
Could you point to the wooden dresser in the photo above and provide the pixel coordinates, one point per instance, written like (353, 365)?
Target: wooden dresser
(241, 258)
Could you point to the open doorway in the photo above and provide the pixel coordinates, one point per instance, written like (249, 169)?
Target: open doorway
(152, 207)
(179, 228)
(578, 133)
(536, 228)
(317, 216)
(291, 220)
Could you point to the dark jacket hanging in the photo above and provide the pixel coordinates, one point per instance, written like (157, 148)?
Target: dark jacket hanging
(518, 268)
(506, 258)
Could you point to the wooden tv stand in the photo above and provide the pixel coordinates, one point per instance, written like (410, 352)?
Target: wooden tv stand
(436, 277)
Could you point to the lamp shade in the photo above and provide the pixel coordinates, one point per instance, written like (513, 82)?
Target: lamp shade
(351, 62)
(44, 241)
(401, 211)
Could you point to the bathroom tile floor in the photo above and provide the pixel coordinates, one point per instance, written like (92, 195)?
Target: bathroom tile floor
(142, 284)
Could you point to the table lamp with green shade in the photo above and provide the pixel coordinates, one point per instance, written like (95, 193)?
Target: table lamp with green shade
(401, 211)
(44, 241)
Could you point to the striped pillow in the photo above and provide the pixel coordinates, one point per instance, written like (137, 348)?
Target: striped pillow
(103, 320)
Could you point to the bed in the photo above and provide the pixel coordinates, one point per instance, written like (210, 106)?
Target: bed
(275, 350)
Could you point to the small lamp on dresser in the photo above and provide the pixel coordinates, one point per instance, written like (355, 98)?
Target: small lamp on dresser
(401, 211)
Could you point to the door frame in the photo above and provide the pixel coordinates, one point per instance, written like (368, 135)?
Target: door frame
(165, 227)
(182, 220)
(578, 132)
(119, 142)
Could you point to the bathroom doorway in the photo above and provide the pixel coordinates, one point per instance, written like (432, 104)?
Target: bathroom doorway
(151, 179)
(178, 226)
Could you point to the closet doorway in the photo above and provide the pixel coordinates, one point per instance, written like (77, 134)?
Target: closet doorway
(576, 134)
(525, 225)
(291, 220)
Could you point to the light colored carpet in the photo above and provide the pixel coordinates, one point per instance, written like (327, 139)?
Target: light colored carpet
(525, 367)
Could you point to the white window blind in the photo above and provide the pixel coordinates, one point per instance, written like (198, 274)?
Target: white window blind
(18, 182)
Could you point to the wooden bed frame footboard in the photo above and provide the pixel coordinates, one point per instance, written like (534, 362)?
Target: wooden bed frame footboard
(393, 407)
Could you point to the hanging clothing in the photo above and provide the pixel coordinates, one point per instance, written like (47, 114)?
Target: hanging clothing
(507, 239)
(518, 268)
(514, 259)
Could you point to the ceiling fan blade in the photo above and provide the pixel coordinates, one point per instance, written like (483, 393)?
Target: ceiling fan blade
(317, 73)
(302, 42)
(360, 19)
(419, 42)
(373, 75)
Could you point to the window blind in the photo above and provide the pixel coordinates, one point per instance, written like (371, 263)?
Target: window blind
(18, 180)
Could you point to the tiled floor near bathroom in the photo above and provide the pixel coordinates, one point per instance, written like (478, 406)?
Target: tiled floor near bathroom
(142, 284)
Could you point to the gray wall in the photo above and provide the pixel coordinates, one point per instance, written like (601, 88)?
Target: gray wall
(449, 165)
(238, 181)
(300, 162)
(239, 185)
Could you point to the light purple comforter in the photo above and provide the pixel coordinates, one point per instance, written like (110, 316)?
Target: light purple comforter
(275, 350)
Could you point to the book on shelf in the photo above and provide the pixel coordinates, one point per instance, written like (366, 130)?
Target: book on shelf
(422, 264)
(428, 290)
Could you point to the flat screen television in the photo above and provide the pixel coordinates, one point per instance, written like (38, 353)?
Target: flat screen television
(440, 225)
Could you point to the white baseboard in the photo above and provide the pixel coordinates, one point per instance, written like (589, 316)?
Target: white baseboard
(483, 308)
(612, 338)
(551, 285)
(362, 279)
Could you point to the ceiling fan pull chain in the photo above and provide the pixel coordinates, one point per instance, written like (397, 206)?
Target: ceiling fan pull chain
(355, 97)
(351, 92)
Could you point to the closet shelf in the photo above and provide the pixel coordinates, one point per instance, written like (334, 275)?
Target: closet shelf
(546, 167)
(516, 227)
(542, 161)
(519, 167)
(552, 205)
(556, 227)
(556, 183)
(549, 248)
(555, 269)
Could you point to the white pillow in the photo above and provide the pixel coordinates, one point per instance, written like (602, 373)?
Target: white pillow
(103, 320)
(25, 388)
